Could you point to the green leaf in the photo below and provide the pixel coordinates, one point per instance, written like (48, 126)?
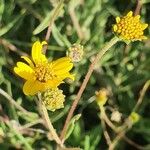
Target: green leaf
(2, 6)
(50, 17)
(87, 142)
(60, 39)
(44, 24)
(32, 117)
(10, 25)
(72, 125)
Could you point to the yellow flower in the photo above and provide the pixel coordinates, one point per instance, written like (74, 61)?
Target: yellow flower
(101, 96)
(39, 73)
(130, 28)
(53, 99)
(134, 117)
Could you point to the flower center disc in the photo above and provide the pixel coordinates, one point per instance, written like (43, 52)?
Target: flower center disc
(43, 72)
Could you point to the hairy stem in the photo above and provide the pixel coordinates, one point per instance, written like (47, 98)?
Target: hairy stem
(48, 122)
(142, 94)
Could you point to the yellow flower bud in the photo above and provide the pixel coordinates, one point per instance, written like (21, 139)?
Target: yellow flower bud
(53, 99)
(130, 28)
(134, 117)
(101, 97)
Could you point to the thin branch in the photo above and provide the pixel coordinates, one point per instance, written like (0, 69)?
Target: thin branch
(76, 23)
(55, 14)
(118, 129)
(84, 84)
(133, 143)
(48, 122)
(109, 123)
(116, 140)
(11, 47)
(106, 135)
(13, 102)
(142, 94)
(138, 7)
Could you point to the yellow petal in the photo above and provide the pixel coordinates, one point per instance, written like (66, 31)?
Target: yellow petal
(137, 17)
(28, 61)
(115, 28)
(24, 71)
(53, 83)
(117, 19)
(144, 26)
(144, 37)
(67, 75)
(64, 69)
(61, 60)
(32, 87)
(37, 55)
(129, 14)
(62, 65)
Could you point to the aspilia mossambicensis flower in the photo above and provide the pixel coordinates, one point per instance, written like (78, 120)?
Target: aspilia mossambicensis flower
(39, 73)
(130, 28)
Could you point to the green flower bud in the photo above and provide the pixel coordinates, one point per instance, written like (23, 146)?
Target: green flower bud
(75, 52)
(53, 99)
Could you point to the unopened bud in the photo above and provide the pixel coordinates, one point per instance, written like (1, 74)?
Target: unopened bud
(116, 116)
(53, 99)
(75, 52)
(134, 117)
(101, 97)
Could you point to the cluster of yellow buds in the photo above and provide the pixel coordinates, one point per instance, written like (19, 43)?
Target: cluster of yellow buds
(130, 28)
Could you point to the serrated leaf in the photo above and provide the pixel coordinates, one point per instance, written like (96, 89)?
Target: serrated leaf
(72, 125)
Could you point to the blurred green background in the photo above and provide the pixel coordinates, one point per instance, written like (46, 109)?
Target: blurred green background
(123, 70)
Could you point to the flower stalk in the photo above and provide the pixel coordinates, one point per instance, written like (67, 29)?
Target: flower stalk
(48, 122)
(84, 84)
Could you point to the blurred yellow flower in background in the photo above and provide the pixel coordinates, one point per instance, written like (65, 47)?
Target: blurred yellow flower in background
(101, 96)
(134, 117)
(130, 28)
(39, 73)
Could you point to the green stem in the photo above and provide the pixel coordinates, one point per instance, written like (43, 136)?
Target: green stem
(142, 94)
